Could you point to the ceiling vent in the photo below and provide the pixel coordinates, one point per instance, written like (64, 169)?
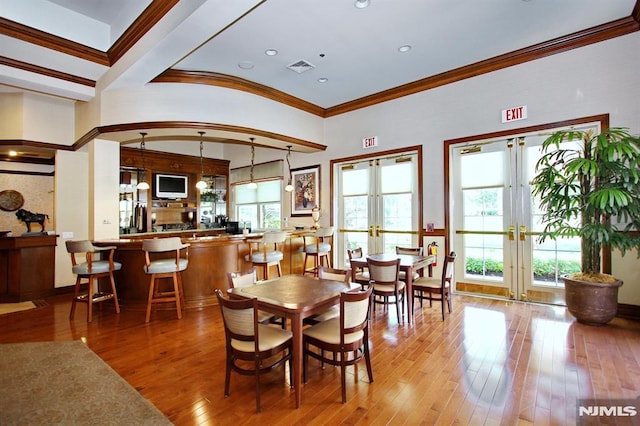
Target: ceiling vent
(301, 66)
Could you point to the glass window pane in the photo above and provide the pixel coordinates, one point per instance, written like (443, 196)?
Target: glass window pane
(397, 178)
(244, 194)
(355, 182)
(268, 191)
(492, 166)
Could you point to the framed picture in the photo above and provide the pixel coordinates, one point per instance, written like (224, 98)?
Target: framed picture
(306, 190)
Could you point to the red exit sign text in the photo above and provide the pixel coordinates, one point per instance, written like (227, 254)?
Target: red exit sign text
(370, 142)
(514, 114)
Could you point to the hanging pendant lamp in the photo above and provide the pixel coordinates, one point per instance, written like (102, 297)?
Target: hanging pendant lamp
(201, 184)
(252, 184)
(142, 182)
(289, 186)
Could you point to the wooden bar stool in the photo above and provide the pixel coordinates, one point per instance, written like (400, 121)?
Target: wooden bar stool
(169, 267)
(318, 247)
(92, 269)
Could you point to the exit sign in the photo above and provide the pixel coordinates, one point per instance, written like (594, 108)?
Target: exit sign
(514, 114)
(370, 142)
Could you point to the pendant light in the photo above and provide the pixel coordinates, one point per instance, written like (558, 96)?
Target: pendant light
(142, 182)
(252, 184)
(289, 187)
(202, 184)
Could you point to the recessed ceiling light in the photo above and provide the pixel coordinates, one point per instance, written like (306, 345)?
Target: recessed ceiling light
(12, 153)
(323, 80)
(405, 48)
(271, 52)
(361, 4)
(246, 65)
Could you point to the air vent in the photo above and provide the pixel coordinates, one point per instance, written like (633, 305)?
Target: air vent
(301, 66)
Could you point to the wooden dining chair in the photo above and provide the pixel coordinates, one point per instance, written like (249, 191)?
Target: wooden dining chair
(324, 273)
(248, 278)
(268, 252)
(259, 347)
(385, 280)
(358, 275)
(93, 268)
(437, 289)
(413, 251)
(343, 340)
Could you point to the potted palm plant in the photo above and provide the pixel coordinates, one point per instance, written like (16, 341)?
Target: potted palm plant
(588, 186)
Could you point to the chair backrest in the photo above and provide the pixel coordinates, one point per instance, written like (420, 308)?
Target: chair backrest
(325, 273)
(324, 232)
(163, 244)
(84, 246)
(239, 317)
(447, 268)
(274, 237)
(415, 251)
(242, 278)
(384, 271)
(354, 311)
(355, 253)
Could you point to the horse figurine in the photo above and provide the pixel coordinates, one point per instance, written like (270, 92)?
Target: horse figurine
(28, 217)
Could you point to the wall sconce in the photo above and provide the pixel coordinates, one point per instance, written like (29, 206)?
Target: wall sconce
(142, 182)
(252, 184)
(201, 184)
(289, 186)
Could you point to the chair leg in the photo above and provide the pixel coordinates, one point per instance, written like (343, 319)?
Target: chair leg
(90, 300)
(343, 374)
(150, 298)
(397, 296)
(176, 292)
(115, 294)
(367, 358)
(279, 269)
(181, 288)
(257, 368)
(76, 293)
(227, 377)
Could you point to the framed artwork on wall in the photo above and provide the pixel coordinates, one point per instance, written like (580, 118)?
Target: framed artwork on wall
(306, 190)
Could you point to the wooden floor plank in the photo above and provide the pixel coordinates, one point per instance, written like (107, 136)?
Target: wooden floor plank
(490, 362)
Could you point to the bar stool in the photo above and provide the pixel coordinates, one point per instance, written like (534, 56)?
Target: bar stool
(318, 249)
(91, 270)
(160, 268)
(268, 253)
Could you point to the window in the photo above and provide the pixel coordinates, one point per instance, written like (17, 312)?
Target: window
(260, 207)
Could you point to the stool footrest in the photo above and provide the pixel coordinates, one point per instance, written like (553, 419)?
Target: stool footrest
(97, 297)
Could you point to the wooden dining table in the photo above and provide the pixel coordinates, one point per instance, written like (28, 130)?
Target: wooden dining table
(408, 263)
(295, 297)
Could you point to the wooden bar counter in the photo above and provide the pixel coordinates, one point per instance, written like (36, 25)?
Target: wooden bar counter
(210, 259)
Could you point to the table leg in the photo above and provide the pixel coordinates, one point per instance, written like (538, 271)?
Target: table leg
(296, 329)
(409, 294)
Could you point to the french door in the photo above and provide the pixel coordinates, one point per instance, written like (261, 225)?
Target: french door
(377, 203)
(495, 223)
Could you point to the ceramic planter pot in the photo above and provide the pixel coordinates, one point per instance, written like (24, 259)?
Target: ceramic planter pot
(591, 303)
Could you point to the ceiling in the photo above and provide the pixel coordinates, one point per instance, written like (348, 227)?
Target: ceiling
(77, 43)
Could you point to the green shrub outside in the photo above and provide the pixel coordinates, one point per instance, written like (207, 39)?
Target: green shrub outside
(541, 268)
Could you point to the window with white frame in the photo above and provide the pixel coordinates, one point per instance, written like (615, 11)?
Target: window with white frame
(261, 207)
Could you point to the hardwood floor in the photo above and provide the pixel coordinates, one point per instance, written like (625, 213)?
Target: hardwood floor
(491, 362)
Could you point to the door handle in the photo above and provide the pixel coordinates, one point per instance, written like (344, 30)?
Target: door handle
(512, 233)
(371, 230)
(523, 232)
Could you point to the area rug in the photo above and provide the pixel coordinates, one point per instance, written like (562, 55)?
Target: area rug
(7, 308)
(66, 383)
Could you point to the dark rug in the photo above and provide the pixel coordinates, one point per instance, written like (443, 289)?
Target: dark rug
(66, 383)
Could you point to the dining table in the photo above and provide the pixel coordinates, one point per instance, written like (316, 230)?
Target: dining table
(295, 297)
(408, 263)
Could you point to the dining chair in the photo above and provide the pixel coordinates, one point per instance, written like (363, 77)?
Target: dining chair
(254, 344)
(358, 275)
(343, 340)
(413, 251)
(437, 289)
(385, 280)
(268, 252)
(92, 269)
(165, 267)
(248, 278)
(317, 246)
(324, 273)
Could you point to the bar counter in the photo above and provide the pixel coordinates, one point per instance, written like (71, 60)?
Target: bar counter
(210, 259)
